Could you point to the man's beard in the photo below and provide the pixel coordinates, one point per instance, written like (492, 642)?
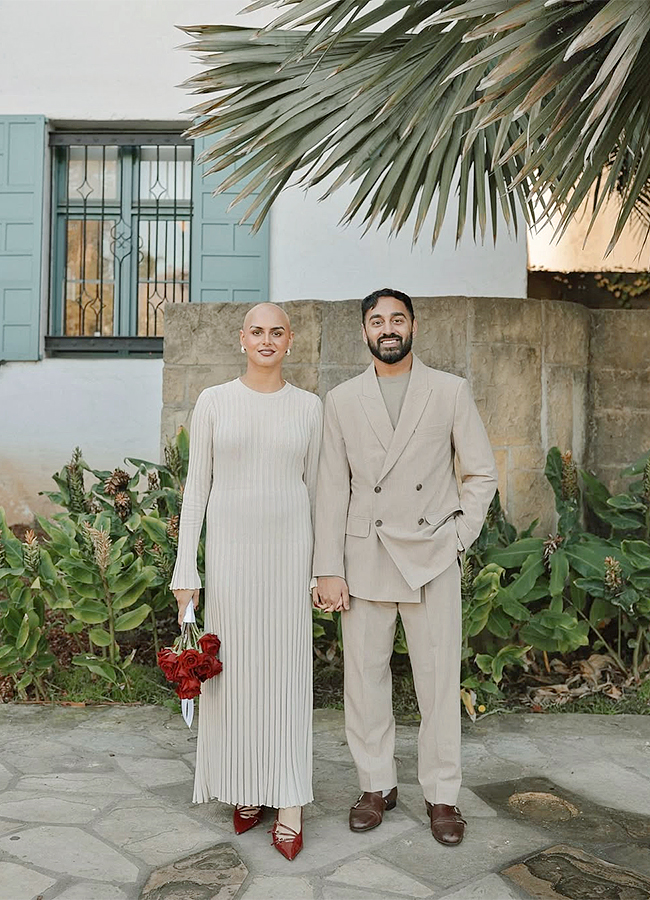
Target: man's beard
(391, 354)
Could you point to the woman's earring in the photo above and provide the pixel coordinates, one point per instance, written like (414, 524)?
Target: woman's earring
(288, 351)
(242, 348)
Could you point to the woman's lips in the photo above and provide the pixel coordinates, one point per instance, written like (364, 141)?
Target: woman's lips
(266, 352)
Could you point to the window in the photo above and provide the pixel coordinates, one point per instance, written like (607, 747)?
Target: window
(121, 213)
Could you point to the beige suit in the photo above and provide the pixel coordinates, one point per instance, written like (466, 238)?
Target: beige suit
(391, 520)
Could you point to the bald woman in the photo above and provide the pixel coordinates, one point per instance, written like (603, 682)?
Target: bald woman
(254, 446)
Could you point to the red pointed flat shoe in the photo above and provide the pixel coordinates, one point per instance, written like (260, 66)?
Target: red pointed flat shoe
(246, 817)
(287, 841)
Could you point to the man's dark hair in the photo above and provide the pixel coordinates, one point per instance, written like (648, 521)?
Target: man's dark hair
(371, 301)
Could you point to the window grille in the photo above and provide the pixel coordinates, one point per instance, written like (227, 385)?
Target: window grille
(121, 233)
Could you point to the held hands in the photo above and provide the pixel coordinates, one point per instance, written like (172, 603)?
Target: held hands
(331, 595)
(183, 597)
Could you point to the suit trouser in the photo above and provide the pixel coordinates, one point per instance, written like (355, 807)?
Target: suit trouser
(433, 633)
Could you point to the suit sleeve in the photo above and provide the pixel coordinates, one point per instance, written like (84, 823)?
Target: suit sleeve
(332, 497)
(195, 495)
(476, 466)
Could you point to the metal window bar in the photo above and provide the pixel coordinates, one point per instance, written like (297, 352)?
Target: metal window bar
(120, 236)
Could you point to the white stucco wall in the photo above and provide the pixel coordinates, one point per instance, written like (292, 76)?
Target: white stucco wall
(109, 407)
(86, 61)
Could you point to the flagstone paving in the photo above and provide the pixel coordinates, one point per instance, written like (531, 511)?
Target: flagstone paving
(95, 804)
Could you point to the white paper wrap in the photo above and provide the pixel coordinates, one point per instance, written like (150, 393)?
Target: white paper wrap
(187, 706)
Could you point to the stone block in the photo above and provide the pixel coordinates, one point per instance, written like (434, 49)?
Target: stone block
(619, 339)
(330, 376)
(503, 466)
(303, 376)
(336, 785)
(154, 772)
(498, 320)
(566, 333)
(530, 497)
(26, 807)
(278, 887)
(619, 437)
(156, 833)
(506, 382)
(490, 887)
(71, 852)
(333, 891)
(200, 377)
(19, 883)
(585, 778)
(174, 385)
(306, 324)
(532, 457)
(87, 890)
(181, 321)
(341, 340)
(441, 341)
(489, 842)
(5, 777)
(619, 389)
(87, 783)
(371, 874)
(566, 398)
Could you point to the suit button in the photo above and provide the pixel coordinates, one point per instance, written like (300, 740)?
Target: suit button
(378, 523)
(418, 487)
(377, 490)
(420, 521)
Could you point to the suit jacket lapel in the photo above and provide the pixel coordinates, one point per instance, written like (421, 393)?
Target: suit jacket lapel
(415, 400)
(375, 408)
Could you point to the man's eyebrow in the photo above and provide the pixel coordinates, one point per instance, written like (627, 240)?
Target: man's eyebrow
(273, 328)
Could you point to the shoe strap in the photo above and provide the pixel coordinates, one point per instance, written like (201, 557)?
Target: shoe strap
(288, 835)
(248, 812)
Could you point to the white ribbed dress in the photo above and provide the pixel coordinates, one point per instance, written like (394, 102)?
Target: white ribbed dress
(253, 461)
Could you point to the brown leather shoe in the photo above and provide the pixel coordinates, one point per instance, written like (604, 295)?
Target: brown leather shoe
(369, 809)
(447, 824)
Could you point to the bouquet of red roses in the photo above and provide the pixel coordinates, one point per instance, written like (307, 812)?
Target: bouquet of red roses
(191, 660)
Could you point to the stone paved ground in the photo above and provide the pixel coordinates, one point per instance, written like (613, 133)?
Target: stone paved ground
(92, 801)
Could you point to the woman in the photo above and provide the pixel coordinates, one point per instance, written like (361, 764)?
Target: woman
(254, 445)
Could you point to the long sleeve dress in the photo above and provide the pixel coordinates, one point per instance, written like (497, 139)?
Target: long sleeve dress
(252, 473)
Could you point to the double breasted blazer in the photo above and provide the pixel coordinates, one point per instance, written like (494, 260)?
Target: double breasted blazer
(394, 492)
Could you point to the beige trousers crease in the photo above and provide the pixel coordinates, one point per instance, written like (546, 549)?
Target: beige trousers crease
(433, 633)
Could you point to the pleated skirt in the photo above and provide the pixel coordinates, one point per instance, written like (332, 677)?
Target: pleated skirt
(255, 718)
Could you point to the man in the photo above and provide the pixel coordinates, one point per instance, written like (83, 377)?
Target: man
(391, 521)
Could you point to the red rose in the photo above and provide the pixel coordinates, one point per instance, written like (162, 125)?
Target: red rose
(168, 663)
(210, 643)
(187, 662)
(189, 688)
(208, 667)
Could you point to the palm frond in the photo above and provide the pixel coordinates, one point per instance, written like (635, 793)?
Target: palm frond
(520, 106)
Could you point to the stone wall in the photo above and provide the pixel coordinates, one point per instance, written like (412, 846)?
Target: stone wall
(543, 373)
(619, 362)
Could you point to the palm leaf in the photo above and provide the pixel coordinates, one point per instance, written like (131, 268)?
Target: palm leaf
(522, 106)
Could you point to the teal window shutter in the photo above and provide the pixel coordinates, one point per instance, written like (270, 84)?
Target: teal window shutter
(228, 263)
(22, 166)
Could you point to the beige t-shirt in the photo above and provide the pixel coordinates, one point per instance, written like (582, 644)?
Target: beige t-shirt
(393, 390)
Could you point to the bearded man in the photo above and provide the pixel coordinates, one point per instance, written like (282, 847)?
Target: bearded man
(406, 476)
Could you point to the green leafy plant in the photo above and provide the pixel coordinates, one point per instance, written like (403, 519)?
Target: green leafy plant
(27, 577)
